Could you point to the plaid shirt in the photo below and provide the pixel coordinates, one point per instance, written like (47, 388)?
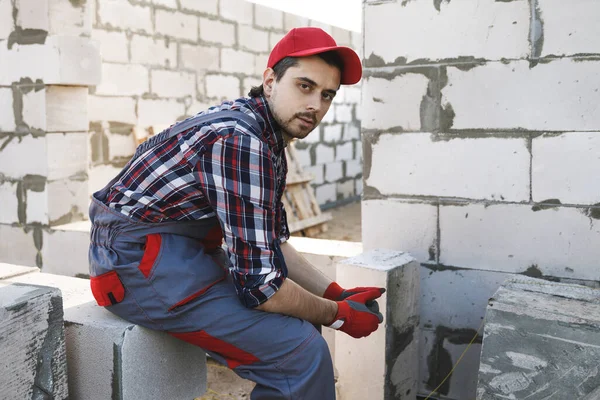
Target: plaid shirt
(220, 169)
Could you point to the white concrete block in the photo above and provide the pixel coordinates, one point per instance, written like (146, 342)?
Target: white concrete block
(72, 239)
(67, 154)
(10, 204)
(17, 149)
(561, 167)
(237, 10)
(393, 103)
(514, 238)
(33, 343)
(358, 112)
(515, 96)
(103, 348)
(199, 58)
(124, 15)
(71, 19)
(567, 29)
(36, 207)
(123, 80)
(113, 45)
(267, 17)
(490, 168)
(412, 229)
(222, 86)
(353, 168)
(345, 189)
(117, 109)
(326, 27)
(76, 191)
(342, 36)
(148, 51)
(34, 111)
(66, 108)
(235, 61)
(343, 113)
(485, 29)
(99, 176)
(260, 64)
(329, 117)
(386, 362)
(353, 94)
(332, 133)
(7, 24)
(10, 270)
(32, 14)
(177, 24)
(204, 6)
(253, 39)
(166, 3)
(159, 112)
(326, 193)
(334, 171)
(274, 38)
(314, 136)
(173, 84)
(217, 32)
(120, 146)
(344, 151)
(7, 115)
(351, 131)
(66, 60)
(317, 173)
(324, 154)
(291, 21)
(20, 249)
(358, 150)
(359, 186)
(339, 96)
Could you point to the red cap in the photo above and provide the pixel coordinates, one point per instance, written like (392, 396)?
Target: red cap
(308, 41)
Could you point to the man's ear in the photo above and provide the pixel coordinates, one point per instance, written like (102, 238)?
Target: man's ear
(268, 80)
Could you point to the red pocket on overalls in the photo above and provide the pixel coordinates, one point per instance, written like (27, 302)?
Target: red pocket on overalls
(107, 289)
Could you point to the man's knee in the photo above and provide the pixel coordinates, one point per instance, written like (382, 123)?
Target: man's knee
(312, 354)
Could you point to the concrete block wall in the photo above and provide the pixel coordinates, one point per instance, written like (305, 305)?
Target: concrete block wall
(165, 60)
(480, 136)
(47, 64)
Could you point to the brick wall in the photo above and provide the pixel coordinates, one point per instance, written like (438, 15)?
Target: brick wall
(163, 60)
(481, 142)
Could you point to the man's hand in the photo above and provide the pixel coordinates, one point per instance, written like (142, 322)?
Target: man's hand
(336, 293)
(358, 315)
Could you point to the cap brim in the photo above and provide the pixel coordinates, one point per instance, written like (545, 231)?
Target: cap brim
(352, 72)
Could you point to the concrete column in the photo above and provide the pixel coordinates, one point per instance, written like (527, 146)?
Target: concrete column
(541, 340)
(385, 364)
(48, 63)
(32, 343)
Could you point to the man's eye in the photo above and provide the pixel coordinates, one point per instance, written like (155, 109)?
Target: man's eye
(327, 96)
(304, 86)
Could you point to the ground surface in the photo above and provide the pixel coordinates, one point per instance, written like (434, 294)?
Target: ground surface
(223, 384)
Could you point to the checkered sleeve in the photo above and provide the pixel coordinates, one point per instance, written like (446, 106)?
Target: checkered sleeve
(239, 180)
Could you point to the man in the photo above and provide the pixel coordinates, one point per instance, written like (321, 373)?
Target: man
(157, 228)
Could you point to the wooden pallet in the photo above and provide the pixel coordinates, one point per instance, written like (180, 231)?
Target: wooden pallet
(303, 212)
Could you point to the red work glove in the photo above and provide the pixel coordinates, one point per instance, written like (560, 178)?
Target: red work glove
(357, 319)
(336, 293)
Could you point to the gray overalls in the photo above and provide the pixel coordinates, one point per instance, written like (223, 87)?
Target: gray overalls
(174, 277)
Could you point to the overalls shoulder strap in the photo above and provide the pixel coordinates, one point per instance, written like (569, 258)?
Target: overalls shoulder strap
(194, 121)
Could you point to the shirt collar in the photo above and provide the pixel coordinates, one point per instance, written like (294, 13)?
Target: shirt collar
(272, 131)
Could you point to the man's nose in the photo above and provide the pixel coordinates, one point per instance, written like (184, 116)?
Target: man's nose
(315, 103)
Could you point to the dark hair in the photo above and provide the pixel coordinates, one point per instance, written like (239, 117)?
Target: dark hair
(330, 57)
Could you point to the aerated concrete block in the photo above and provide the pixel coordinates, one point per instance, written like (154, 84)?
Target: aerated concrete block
(385, 364)
(541, 341)
(110, 358)
(32, 343)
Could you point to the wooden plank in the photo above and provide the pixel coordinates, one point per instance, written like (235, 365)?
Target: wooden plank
(309, 222)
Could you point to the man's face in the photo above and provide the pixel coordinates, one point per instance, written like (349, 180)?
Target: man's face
(300, 99)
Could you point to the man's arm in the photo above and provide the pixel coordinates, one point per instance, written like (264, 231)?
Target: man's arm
(293, 300)
(303, 272)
